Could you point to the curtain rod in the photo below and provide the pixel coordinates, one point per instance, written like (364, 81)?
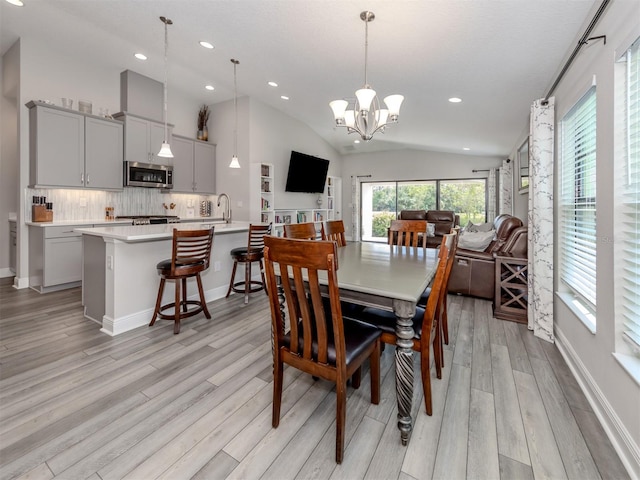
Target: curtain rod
(583, 41)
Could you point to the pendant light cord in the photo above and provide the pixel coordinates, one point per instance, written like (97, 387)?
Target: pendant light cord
(235, 107)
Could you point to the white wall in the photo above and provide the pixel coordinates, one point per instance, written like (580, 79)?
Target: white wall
(265, 135)
(615, 394)
(408, 165)
(9, 148)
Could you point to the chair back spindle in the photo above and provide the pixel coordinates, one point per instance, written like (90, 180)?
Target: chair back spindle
(334, 231)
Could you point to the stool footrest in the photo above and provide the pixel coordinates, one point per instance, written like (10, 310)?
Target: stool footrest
(236, 286)
(187, 314)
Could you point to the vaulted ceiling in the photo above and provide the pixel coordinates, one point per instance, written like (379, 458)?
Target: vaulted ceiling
(496, 55)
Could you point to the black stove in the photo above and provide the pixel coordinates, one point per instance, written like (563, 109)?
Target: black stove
(150, 219)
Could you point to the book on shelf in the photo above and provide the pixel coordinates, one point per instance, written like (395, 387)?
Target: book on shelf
(330, 203)
(286, 219)
(265, 204)
(302, 217)
(264, 171)
(265, 218)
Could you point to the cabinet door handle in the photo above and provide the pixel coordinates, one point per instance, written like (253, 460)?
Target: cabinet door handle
(88, 179)
(82, 177)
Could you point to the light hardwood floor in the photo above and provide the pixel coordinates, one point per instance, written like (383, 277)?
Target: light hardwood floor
(76, 403)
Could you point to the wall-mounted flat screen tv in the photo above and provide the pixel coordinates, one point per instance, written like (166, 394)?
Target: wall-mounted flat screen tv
(306, 173)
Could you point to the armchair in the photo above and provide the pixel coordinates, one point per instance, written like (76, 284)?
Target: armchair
(473, 272)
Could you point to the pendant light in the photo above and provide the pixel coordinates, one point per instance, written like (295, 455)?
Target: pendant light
(165, 150)
(234, 161)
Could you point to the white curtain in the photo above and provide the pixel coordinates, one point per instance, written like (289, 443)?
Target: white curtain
(493, 201)
(355, 214)
(506, 187)
(540, 233)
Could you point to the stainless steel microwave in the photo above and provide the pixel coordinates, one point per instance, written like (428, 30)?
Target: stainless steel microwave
(149, 175)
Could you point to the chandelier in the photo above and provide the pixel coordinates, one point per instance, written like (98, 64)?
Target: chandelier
(234, 160)
(365, 116)
(165, 149)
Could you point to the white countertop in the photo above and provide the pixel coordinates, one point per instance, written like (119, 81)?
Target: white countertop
(65, 223)
(146, 233)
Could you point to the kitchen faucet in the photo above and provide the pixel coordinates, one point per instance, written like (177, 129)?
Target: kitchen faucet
(226, 216)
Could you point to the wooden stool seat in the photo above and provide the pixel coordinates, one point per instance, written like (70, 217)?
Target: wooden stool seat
(190, 256)
(253, 252)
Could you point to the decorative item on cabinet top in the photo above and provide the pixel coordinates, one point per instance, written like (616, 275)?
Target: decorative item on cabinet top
(203, 118)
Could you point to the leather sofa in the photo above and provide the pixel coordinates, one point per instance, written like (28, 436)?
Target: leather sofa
(473, 272)
(444, 221)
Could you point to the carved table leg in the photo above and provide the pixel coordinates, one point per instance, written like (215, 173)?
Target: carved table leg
(404, 365)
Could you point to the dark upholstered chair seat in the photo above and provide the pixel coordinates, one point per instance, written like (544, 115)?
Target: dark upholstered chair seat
(240, 251)
(356, 337)
(386, 321)
(165, 265)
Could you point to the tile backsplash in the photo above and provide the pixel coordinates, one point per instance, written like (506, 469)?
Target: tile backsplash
(69, 205)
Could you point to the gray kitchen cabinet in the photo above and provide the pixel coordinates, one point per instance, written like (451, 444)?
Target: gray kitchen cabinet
(194, 165)
(55, 258)
(143, 139)
(56, 146)
(204, 167)
(71, 149)
(182, 149)
(103, 153)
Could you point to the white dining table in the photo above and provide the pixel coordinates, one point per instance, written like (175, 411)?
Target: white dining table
(391, 278)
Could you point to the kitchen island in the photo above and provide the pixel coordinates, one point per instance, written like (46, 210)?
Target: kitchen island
(119, 277)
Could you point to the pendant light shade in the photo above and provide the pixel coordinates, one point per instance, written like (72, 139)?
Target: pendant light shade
(234, 160)
(165, 150)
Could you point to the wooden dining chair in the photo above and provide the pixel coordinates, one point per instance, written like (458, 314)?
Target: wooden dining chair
(319, 342)
(334, 230)
(190, 255)
(408, 233)
(425, 325)
(451, 241)
(304, 231)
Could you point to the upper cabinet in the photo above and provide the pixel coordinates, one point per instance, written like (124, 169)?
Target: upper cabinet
(143, 139)
(194, 166)
(74, 150)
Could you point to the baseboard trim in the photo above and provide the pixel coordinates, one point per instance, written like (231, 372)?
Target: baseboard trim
(627, 449)
(117, 326)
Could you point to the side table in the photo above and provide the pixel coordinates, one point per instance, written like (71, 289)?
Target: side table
(510, 301)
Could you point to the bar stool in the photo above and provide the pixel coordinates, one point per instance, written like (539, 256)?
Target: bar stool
(191, 253)
(253, 252)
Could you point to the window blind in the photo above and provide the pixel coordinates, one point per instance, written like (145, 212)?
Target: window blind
(578, 199)
(630, 190)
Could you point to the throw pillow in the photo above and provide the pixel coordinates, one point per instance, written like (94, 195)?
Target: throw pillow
(480, 227)
(477, 241)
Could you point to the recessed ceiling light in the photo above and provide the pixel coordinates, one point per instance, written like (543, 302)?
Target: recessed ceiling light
(284, 97)
(466, 149)
(140, 56)
(455, 100)
(17, 3)
(209, 87)
(356, 141)
(206, 44)
(272, 84)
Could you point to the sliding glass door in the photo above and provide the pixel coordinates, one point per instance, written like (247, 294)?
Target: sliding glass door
(382, 202)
